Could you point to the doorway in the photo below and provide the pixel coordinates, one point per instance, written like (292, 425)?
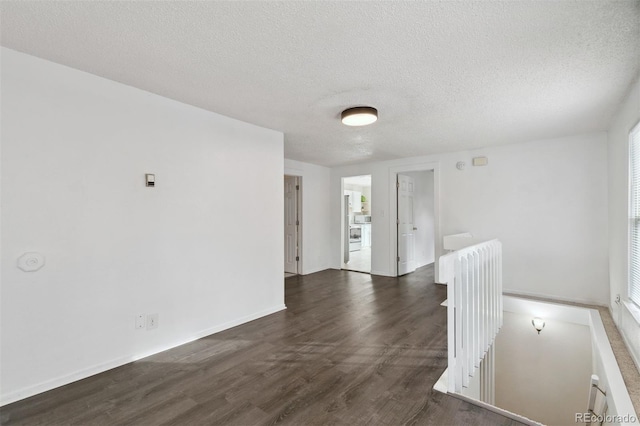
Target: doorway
(416, 219)
(356, 223)
(291, 225)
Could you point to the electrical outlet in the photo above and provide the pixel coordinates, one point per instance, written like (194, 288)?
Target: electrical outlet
(139, 321)
(152, 321)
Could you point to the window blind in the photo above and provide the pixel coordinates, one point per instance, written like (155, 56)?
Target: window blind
(634, 214)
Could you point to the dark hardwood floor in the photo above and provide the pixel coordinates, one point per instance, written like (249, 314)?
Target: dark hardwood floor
(350, 349)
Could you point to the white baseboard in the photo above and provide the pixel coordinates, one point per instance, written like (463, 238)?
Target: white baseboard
(498, 410)
(442, 385)
(381, 273)
(307, 271)
(32, 390)
(627, 343)
(507, 291)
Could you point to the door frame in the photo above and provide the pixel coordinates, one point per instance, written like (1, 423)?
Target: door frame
(342, 220)
(298, 178)
(393, 212)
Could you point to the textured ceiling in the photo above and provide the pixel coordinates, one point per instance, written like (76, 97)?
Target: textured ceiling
(444, 75)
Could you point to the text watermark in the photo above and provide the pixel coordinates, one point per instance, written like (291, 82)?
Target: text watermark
(607, 418)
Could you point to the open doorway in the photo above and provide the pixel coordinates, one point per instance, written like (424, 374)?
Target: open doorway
(356, 223)
(291, 225)
(416, 220)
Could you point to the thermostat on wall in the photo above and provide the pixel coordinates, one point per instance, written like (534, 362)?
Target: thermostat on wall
(150, 179)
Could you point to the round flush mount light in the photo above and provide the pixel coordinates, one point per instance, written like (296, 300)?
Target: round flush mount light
(359, 116)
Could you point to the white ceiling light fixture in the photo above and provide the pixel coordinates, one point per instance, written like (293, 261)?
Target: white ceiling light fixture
(359, 116)
(538, 324)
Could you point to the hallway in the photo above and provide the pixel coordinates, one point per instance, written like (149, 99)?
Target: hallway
(351, 349)
(359, 260)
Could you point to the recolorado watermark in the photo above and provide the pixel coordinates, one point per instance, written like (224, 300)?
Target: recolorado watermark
(608, 418)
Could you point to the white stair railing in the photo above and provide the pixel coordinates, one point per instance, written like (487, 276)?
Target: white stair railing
(474, 307)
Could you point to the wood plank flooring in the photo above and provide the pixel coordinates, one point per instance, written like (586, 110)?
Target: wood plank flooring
(351, 349)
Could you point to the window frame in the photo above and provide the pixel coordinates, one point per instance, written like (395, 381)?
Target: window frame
(633, 213)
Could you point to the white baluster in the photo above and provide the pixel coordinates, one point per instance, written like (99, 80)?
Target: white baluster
(474, 276)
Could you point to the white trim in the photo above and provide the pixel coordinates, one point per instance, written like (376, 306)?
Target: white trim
(620, 398)
(554, 310)
(553, 297)
(634, 358)
(498, 410)
(381, 273)
(32, 390)
(313, 271)
(301, 225)
(342, 225)
(635, 314)
(393, 212)
(633, 309)
(630, 203)
(293, 172)
(442, 384)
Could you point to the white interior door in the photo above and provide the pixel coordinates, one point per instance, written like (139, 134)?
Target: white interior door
(406, 236)
(291, 189)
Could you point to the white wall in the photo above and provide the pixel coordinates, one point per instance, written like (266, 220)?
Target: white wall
(352, 187)
(315, 214)
(424, 218)
(618, 185)
(544, 377)
(545, 200)
(203, 249)
(557, 316)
